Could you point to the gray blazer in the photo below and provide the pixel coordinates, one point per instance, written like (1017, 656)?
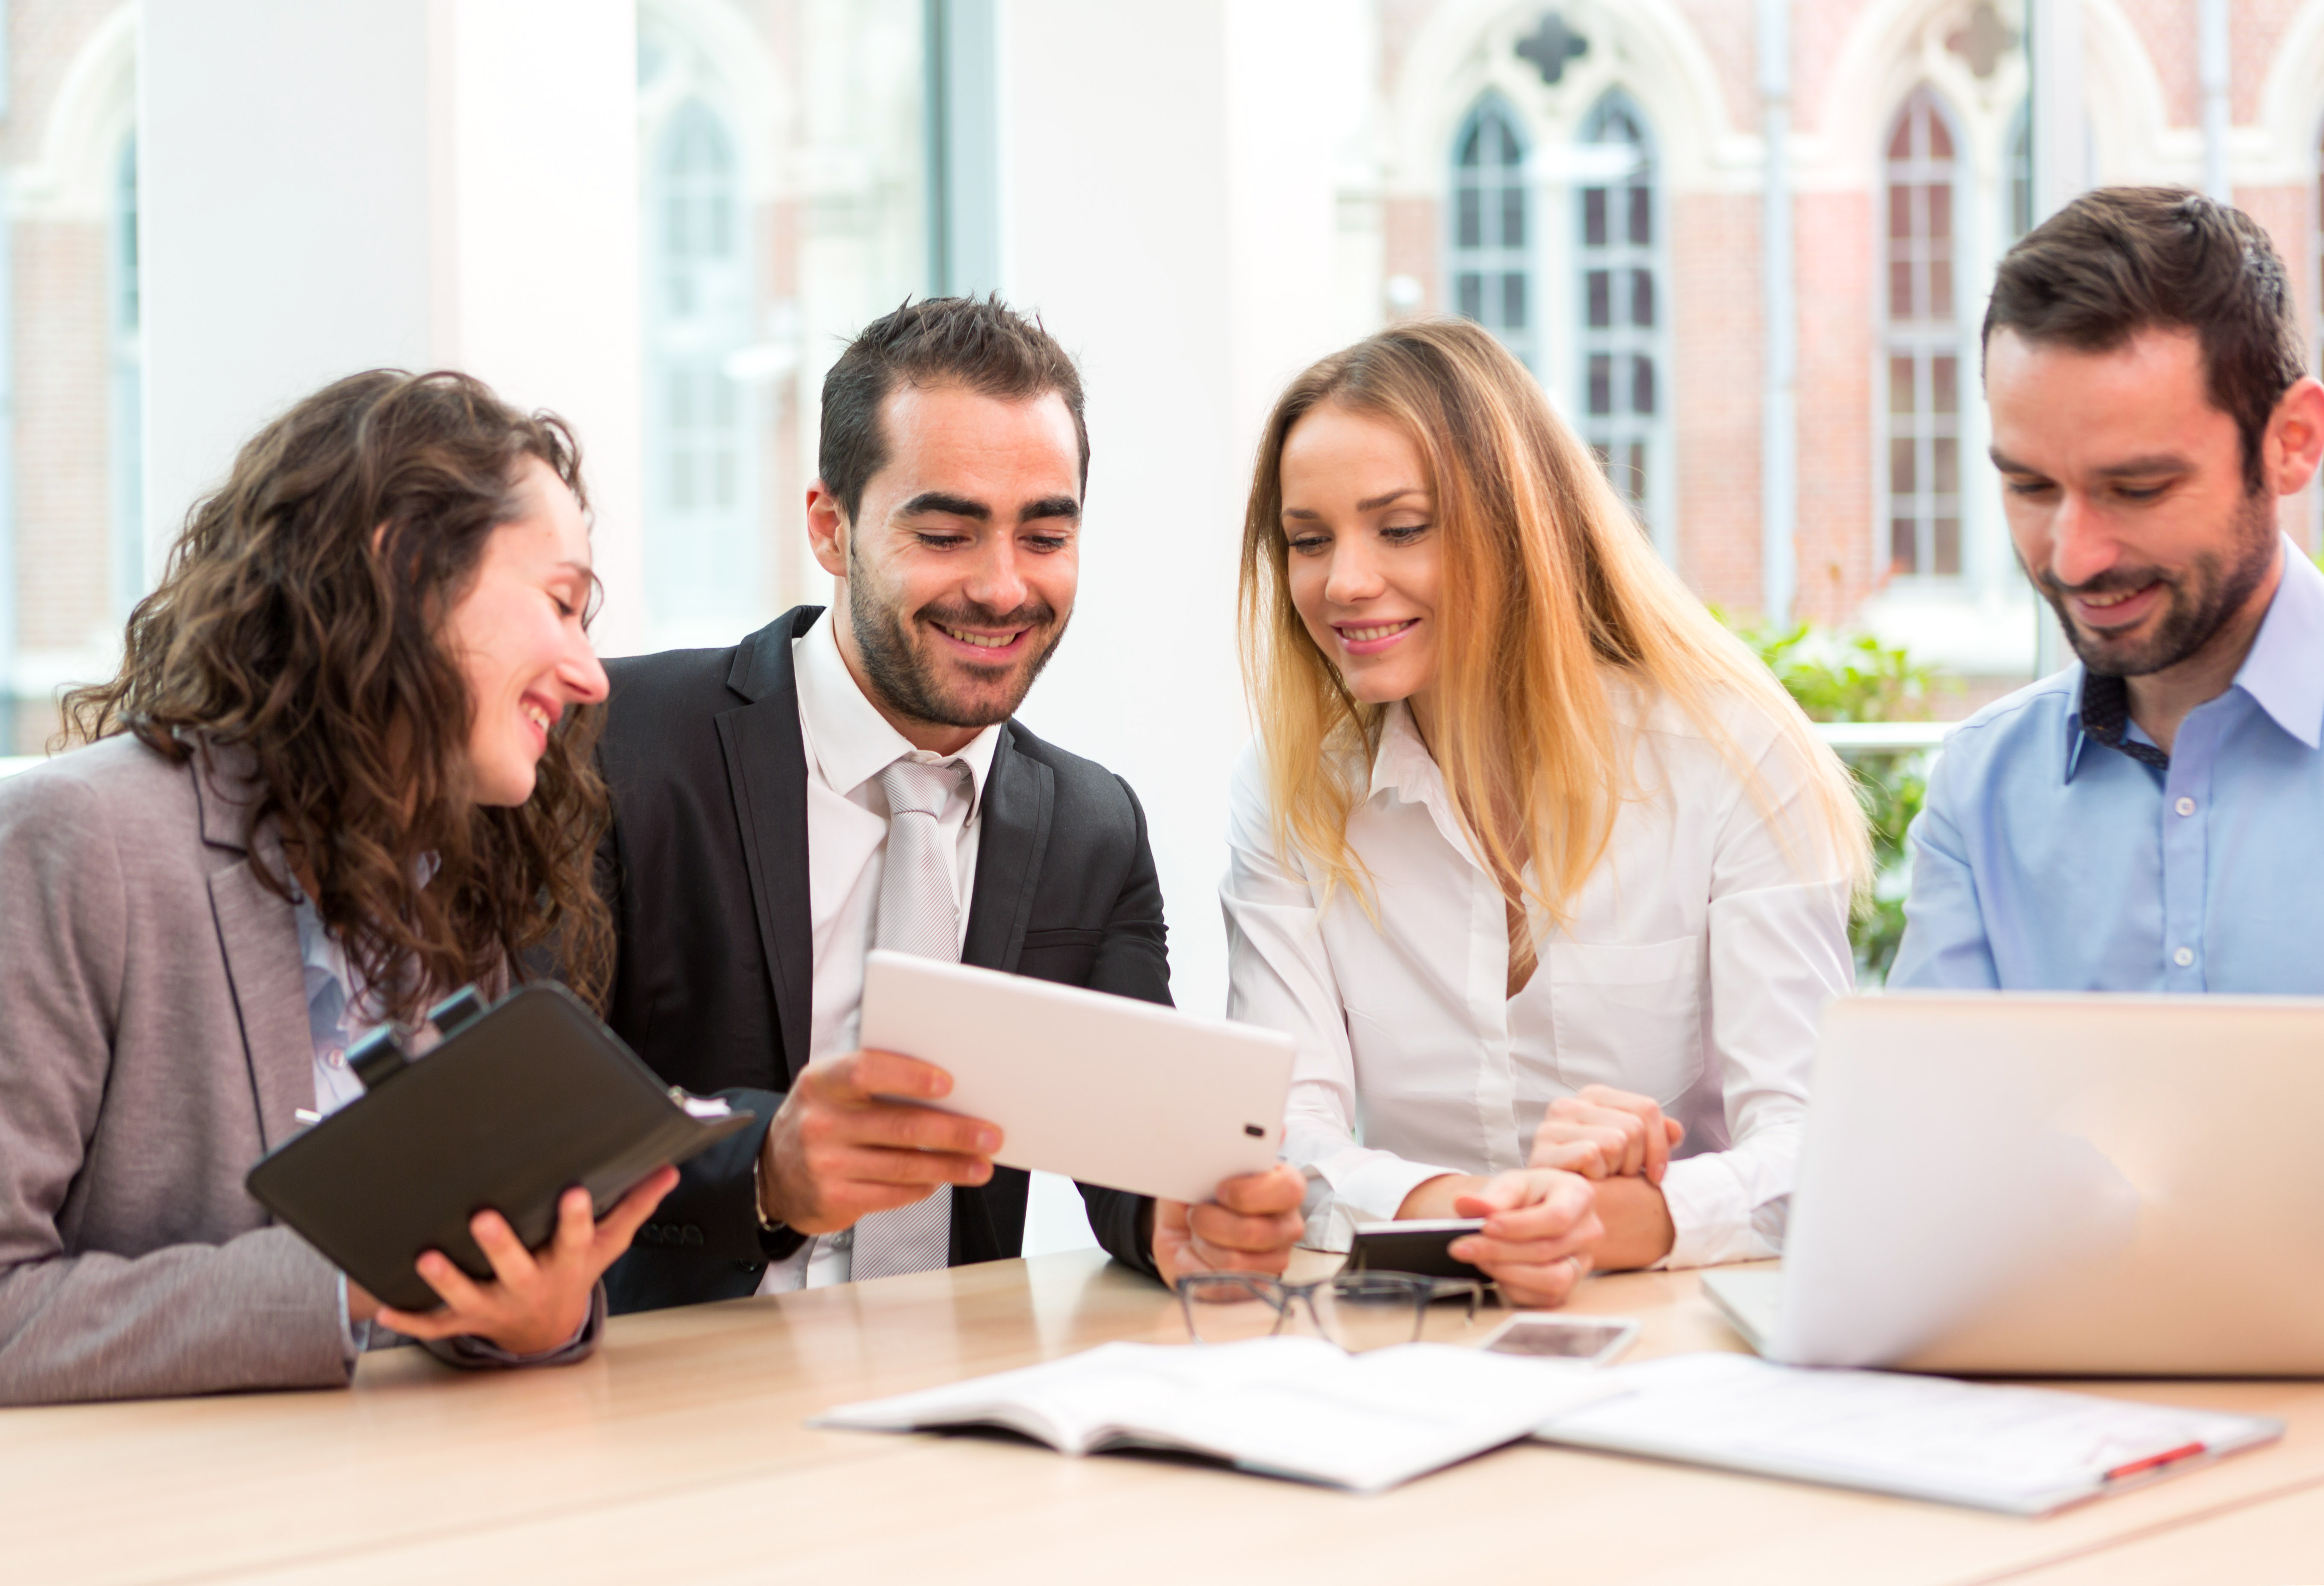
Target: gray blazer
(153, 1044)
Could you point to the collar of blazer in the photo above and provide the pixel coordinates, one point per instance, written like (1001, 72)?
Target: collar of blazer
(258, 938)
(766, 775)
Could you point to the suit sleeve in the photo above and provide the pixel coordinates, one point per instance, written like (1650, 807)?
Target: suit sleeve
(1132, 961)
(260, 1310)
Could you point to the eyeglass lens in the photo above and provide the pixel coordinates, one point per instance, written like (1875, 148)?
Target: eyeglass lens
(1356, 1311)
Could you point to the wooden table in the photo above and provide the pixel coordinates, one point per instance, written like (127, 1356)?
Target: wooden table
(680, 1455)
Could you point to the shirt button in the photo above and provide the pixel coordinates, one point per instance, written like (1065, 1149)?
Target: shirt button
(2183, 957)
(2185, 806)
(336, 1057)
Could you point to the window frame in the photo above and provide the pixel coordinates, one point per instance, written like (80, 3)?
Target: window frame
(704, 569)
(1655, 503)
(1924, 341)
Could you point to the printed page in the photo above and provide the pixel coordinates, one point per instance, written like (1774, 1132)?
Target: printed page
(1288, 1407)
(2022, 1450)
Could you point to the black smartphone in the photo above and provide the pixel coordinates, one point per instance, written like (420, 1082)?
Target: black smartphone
(1417, 1246)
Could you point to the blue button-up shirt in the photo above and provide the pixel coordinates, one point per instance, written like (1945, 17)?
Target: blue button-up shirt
(2046, 861)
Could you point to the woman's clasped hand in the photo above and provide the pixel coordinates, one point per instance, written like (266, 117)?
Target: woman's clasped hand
(537, 1300)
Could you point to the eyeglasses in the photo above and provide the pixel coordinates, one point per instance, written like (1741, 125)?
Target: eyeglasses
(1358, 1311)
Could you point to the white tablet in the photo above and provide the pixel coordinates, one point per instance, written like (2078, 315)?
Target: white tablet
(1107, 1090)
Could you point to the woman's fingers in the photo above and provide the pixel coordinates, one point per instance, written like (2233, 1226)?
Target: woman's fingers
(620, 1226)
(512, 1265)
(1541, 1288)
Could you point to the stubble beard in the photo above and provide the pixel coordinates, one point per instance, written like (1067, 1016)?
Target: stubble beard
(2203, 600)
(899, 670)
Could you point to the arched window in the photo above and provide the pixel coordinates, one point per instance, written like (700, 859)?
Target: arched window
(1623, 307)
(125, 358)
(702, 465)
(1491, 270)
(1921, 395)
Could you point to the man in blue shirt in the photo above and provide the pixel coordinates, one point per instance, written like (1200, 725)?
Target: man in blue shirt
(2151, 818)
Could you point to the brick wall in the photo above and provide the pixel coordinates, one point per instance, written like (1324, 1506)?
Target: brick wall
(1717, 337)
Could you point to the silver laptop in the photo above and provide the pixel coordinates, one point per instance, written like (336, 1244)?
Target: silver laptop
(2056, 1185)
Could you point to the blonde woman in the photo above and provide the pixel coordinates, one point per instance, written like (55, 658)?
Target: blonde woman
(1547, 876)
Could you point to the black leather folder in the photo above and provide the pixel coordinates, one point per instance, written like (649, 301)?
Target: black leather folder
(515, 1104)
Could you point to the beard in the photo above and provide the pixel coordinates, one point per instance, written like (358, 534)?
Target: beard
(944, 692)
(2199, 601)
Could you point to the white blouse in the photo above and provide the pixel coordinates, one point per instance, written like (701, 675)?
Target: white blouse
(1698, 959)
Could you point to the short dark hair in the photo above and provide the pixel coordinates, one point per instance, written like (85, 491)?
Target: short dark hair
(2118, 261)
(979, 343)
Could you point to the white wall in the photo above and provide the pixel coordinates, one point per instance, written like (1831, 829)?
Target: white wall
(1169, 199)
(420, 183)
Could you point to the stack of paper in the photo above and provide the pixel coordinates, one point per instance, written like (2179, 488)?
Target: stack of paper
(2024, 1451)
(1281, 1407)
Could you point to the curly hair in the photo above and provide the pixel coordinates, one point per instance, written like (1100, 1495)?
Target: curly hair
(300, 619)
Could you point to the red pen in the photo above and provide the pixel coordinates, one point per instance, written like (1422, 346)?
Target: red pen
(2169, 1456)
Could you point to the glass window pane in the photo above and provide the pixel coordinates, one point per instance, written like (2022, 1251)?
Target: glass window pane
(1902, 453)
(1600, 287)
(1642, 298)
(1637, 485)
(1900, 210)
(1946, 534)
(1593, 216)
(1944, 373)
(1601, 384)
(1469, 227)
(1940, 142)
(1513, 217)
(1900, 386)
(1900, 145)
(1468, 292)
(1944, 465)
(1513, 301)
(1940, 211)
(1642, 385)
(1900, 290)
(1901, 543)
(1642, 216)
(1940, 289)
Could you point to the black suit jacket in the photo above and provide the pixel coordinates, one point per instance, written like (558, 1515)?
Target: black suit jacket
(714, 976)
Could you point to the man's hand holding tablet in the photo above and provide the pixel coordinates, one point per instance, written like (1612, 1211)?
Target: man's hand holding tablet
(845, 1143)
(1249, 1227)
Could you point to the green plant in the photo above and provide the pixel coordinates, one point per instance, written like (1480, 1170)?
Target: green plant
(1861, 679)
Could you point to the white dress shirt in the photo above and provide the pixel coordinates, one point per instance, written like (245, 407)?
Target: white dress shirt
(1697, 959)
(848, 744)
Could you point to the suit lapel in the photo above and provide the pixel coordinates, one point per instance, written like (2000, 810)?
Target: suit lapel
(1019, 796)
(766, 776)
(258, 937)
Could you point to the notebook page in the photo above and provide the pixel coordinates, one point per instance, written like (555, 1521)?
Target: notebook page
(1289, 1406)
(2024, 1450)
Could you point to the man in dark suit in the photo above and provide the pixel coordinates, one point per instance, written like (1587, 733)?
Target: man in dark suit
(849, 779)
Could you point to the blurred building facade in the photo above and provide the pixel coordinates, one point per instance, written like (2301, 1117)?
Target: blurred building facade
(1586, 178)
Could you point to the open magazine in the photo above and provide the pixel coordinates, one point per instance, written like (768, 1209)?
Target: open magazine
(1298, 1408)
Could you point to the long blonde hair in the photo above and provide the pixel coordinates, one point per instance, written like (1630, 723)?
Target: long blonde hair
(1549, 590)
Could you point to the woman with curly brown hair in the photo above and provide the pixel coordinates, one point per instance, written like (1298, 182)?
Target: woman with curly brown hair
(345, 769)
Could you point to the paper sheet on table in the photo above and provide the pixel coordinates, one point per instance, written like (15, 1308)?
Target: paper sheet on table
(2019, 1450)
(1285, 1406)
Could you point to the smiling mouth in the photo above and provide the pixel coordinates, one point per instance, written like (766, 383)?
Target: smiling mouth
(981, 640)
(1377, 631)
(538, 716)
